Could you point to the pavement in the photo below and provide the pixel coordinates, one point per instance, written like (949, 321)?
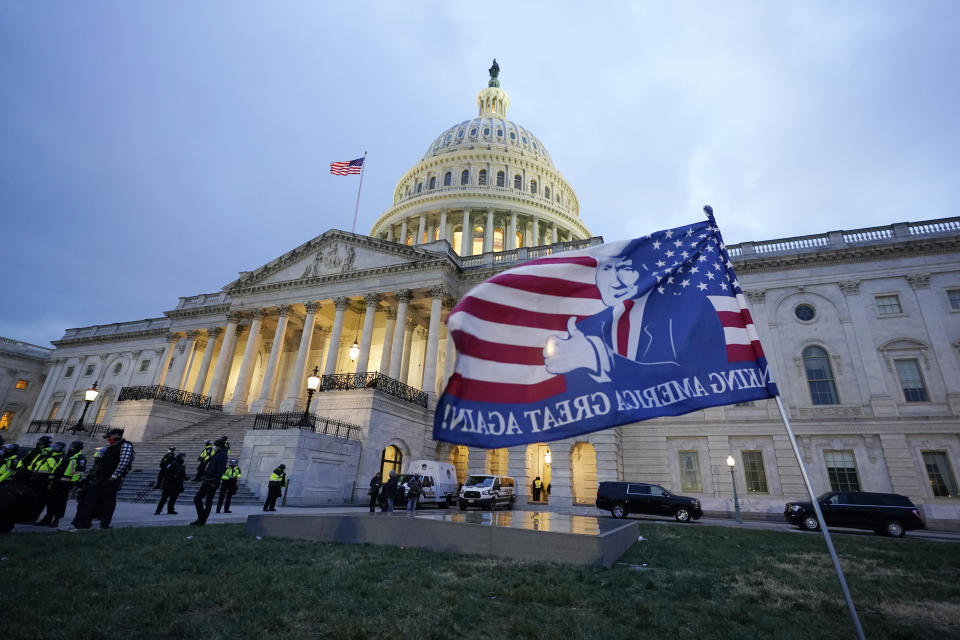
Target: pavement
(129, 514)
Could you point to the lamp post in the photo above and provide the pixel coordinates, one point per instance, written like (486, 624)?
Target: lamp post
(313, 382)
(88, 397)
(736, 501)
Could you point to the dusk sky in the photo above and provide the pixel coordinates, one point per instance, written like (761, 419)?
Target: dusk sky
(151, 150)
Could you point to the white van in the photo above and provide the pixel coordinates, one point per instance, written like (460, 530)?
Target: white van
(487, 492)
(438, 482)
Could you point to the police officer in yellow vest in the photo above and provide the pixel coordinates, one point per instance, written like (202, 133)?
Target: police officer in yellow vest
(8, 461)
(42, 448)
(537, 488)
(43, 468)
(228, 485)
(68, 472)
(205, 454)
(278, 480)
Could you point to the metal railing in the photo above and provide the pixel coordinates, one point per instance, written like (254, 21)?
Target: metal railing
(373, 380)
(313, 422)
(64, 426)
(169, 394)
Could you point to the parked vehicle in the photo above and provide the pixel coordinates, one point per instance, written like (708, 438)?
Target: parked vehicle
(624, 498)
(438, 483)
(886, 513)
(487, 492)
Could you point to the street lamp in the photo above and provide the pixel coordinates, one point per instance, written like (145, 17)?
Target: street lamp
(88, 397)
(313, 382)
(736, 501)
(355, 349)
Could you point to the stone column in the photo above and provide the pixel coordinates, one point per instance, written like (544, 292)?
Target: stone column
(333, 349)
(488, 232)
(391, 316)
(221, 371)
(265, 402)
(407, 346)
(421, 228)
(363, 359)
(433, 340)
(396, 349)
(443, 225)
(212, 335)
(390, 233)
(295, 389)
(53, 376)
(186, 363)
(466, 236)
(403, 231)
(159, 377)
(536, 232)
(512, 242)
(451, 358)
(238, 403)
(554, 232)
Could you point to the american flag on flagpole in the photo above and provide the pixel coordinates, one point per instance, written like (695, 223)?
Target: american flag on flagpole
(346, 167)
(655, 326)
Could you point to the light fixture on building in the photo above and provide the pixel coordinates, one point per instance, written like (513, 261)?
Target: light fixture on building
(736, 501)
(313, 383)
(355, 349)
(547, 457)
(88, 397)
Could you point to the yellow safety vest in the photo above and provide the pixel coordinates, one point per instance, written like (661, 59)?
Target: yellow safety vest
(231, 473)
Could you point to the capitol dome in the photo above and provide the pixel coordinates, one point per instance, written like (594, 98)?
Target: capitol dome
(489, 175)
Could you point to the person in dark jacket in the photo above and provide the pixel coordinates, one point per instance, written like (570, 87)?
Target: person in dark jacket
(278, 480)
(390, 490)
(205, 454)
(165, 462)
(108, 474)
(375, 484)
(228, 485)
(173, 478)
(413, 494)
(212, 473)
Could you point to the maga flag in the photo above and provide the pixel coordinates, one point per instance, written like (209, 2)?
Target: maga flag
(591, 339)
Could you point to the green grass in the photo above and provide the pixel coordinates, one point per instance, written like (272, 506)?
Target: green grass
(699, 582)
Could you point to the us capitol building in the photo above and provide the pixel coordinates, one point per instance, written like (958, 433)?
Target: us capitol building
(861, 328)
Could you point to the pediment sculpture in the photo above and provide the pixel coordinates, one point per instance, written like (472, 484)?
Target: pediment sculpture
(332, 259)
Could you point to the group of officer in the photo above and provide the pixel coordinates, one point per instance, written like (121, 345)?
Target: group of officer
(41, 480)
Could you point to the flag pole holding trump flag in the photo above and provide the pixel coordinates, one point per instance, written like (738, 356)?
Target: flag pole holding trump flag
(813, 496)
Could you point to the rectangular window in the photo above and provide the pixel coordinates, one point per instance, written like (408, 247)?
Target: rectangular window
(6, 418)
(690, 471)
(940, 473)
(53, 411)
(911, 380)
(887, 305)
(144, 365)
(22, 384)
(89, 370)
(842, 470)
(754, 472)
(68, 373)
(953, 295)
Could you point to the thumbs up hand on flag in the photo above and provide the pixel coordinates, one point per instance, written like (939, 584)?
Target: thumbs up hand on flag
(563, 355)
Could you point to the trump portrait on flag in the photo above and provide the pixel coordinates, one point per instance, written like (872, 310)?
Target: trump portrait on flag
(586, 340)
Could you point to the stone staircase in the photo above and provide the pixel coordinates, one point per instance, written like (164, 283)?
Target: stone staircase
(189, 441)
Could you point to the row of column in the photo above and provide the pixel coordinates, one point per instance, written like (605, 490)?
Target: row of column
(428, 224)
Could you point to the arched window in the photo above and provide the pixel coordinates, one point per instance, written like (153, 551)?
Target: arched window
(533, 186)
(482, 177)
(458, 240)
(105, 401)
(447, 179)
(390, 460)
(501, 178)
(477, 240)
(409, 241)
(433, 182)
(518, 181)
(546, 192)
(465, 177)
(519, 240)
(498, 240)
(419, 187)
(816, 362)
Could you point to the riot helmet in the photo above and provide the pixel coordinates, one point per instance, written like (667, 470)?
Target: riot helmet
(58, 447)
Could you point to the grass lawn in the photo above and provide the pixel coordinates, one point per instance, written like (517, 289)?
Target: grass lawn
(699, 582)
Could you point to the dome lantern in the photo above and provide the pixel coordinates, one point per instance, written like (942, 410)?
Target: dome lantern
(493, 101)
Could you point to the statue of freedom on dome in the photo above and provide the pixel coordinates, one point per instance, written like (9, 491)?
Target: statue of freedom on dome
(494, 72)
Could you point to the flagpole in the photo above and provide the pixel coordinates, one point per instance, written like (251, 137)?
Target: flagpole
(356, 209)
(708, 210)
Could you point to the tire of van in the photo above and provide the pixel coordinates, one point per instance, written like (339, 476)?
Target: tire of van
(445, 504)
(463, 507)
(493, 504)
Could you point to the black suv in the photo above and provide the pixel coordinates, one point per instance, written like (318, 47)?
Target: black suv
(623, 498)
(886, 513)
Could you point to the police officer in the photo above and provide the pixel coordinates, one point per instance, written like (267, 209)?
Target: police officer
(165, 462)
(41, 469)
(278, 480)
(8, 462)
(68, 472)
(213, 471)
(173, 478)
(23, 465)
(205, 454)
(228, 485)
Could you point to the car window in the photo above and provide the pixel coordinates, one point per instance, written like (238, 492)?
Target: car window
(657, 491)
(639, 489)
(427, 481)
(496, 484)
(478, 481)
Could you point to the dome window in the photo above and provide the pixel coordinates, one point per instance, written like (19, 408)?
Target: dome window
(473, 132)
(500, 132)
(419, 187)
(448, 138)
(535, 146)
(533, 186)
(517, 181)
(460, 134)
(486, 131)
(465, 177)
(482, 177)
(447, 179)
(546, 192)
(523, 139)
(433, 182)
(501, 178)
(513, 136)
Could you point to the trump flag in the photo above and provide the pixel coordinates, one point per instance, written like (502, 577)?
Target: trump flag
(591, 339)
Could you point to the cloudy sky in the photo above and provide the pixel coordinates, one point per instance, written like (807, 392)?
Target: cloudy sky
(152, 150)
